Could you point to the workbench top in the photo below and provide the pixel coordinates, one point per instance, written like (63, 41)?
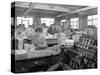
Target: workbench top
(23, 54)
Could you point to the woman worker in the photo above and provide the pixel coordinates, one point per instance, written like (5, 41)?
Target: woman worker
(39, 39)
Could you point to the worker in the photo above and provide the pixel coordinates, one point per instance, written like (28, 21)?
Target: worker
(52, 29)
(44, 28)
(39, 39)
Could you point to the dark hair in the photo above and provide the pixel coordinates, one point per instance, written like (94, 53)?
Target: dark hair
(44, 25)
(38, 29)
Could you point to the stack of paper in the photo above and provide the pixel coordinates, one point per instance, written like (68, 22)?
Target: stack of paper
(20, 54)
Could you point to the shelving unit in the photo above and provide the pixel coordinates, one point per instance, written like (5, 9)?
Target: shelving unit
(83, 55)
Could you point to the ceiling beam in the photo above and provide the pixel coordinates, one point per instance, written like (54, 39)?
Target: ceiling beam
(78, 11)
(44, 7)
(22, 6)
(83, 9)
(31, 6)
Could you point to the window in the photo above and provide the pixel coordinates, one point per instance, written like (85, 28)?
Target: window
(74, 23)
(19, 20)
(93, 20)
(25, 20)
(47, 21)
(62, 22)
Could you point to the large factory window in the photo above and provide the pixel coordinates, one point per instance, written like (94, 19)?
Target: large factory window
(25, 20)
(74, 22)
(47, 21)
(93, 20)
(62, 22)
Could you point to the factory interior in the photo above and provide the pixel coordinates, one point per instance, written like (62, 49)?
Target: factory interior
(53, 37)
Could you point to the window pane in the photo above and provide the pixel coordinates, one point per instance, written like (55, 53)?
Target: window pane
(18, 18)
(77, 27)
(77, 23)
(48, 21)
(95, 22)
(43, 21)
(25, 23)
(24, 18)
(75, 19)
(89, 17)
(95, 16)
(74, 23)
(51, 22)
(18, 23)
(89, 22)
(63, 20)
(74, 26)
(72, 20)
(71, 23)
(30, 21)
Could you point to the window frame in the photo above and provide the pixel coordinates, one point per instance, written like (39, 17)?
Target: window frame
(92, 20)
(74, 23)
(63, 21)
(22, 20)
(47, 21)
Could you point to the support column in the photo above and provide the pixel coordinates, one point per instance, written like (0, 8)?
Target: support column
(57, 21)
(82, 22)
(37, 20)
(67, 24)
(66, 27)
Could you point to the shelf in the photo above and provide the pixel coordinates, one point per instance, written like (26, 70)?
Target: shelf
(76, 59)
(87, 49)
(88, 36)
(88, 45)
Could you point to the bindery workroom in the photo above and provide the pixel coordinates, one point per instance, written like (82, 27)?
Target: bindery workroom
(53, 37)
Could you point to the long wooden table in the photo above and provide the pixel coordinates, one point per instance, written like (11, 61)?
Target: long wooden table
(24, 60)
(50, 42)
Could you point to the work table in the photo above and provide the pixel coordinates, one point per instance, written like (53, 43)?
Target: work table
(24, 60)
(23, 54)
